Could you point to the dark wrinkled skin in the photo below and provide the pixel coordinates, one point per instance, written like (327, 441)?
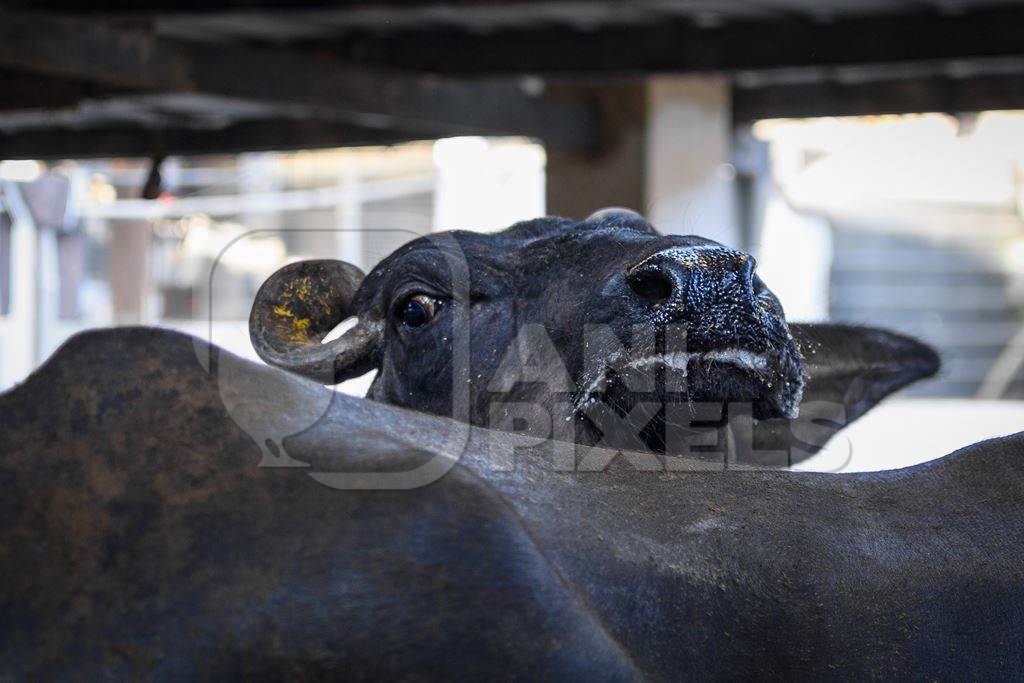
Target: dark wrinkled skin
(142, 540)
(564, 277)
(544, 286)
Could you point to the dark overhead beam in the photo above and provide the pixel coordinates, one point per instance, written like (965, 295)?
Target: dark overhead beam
(928, 94)
(310, 23)
(678, 46)
(120, 57)
(149, 6)
(22, 91)
(128, 141)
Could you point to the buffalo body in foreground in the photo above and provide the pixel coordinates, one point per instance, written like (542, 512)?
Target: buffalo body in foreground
(142, 538)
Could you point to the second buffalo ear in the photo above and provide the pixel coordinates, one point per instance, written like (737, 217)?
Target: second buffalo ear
(859, 366)
(849, 370)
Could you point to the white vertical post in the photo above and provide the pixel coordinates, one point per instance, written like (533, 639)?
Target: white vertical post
(348, 216)
(19, 341)
(689, 177)
(257, 174)
(48, 295)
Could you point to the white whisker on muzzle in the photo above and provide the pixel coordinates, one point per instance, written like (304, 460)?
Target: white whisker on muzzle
(676, 360)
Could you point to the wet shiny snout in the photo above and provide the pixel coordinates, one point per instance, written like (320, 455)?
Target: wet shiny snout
(678, 275)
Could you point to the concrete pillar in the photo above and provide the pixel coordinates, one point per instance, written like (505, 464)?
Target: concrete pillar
(579, 183)
(689, 177)
(129, 270)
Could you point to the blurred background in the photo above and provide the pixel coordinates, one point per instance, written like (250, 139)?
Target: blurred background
(82, 250)
(157, 162)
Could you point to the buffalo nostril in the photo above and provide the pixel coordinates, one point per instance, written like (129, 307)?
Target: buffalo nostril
(652, 285)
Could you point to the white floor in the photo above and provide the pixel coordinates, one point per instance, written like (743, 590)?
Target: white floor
(903, 432)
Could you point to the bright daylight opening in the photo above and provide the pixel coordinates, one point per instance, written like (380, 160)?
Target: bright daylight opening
(913, 223)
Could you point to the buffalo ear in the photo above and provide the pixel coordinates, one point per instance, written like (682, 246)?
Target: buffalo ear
(298, 306)
(848, 369)
(859, 366)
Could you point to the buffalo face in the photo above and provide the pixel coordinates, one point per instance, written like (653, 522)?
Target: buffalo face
(594, 322)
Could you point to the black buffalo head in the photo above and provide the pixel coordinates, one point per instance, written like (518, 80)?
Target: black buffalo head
(600, 322)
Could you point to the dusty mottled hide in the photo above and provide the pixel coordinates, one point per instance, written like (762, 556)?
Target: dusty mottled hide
(613, 329)
(142, 539)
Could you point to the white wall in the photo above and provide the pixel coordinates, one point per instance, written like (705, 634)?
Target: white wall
(486, 184)
(689, 178)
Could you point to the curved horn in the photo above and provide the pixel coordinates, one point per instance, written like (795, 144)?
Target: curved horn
(295, 309)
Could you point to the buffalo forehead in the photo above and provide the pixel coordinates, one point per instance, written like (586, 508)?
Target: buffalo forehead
(529, 248)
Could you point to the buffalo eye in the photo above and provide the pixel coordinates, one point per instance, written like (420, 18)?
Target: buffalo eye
(417, 310)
